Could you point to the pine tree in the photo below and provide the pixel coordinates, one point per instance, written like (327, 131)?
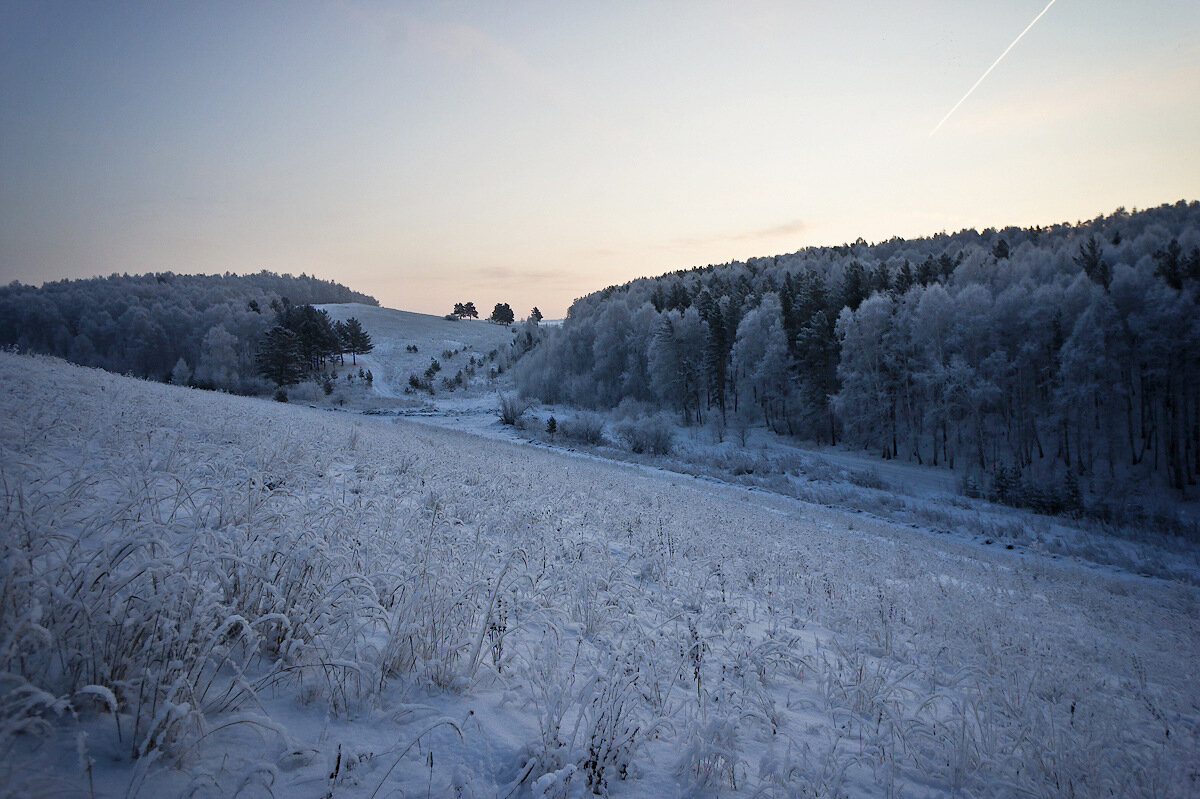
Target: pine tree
(278, 357)
(855, 286)
(343, 335)
(502, 314)
(359, 340)
(716, 349)
(1170, 264)
(1091, 260)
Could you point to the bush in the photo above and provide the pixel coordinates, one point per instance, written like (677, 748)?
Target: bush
(281, 395)
(309, 391)
(1007, 486)
(650, 434)
(630, 409)
(512, 408)
(585, 427)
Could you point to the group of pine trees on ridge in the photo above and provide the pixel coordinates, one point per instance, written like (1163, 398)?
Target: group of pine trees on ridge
(502, 314)
(1049, 356)
(303, 340)
(204, 330)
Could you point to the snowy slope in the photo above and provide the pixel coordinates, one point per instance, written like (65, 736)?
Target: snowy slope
(392, 331)
(210, 594)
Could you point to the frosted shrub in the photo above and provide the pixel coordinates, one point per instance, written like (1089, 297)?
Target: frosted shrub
(650, 434)
(512, 407)
(585, 427)
(629, 409)
(309, 391)
(866, 478)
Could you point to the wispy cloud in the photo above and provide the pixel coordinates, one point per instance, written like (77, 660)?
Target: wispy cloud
(467, 43)
(792, 228)
(458, 42)
(783, 230)
(508, 275)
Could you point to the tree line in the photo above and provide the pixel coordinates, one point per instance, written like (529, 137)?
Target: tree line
(161, 326)
(1060, 356)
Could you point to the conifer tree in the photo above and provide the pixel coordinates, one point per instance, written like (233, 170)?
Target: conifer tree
(278, 357)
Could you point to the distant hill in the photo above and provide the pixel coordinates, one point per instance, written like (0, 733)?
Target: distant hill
(150, 326)
(406, 343)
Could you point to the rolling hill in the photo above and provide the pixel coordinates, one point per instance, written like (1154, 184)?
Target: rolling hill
(214, 595)
(394, 331)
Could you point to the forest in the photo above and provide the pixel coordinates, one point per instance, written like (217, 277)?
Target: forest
(204, 330)
(1053, 367)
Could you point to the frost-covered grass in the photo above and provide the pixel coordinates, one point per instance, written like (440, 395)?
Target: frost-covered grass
(210, 594)
(925, 497)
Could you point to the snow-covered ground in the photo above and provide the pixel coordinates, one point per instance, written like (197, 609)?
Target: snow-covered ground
(452, 343)
(925, 497)
(217, 595)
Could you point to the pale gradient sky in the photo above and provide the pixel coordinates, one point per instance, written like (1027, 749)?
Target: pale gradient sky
(530, 153)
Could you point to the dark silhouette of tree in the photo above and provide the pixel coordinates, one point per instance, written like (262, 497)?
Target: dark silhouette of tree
(316, 337)
(465, 310)
(358, 341)
(502, 314)
(278, 357)
(1170, 264)
(855, 286)
(904, 278)
(339, 328)
(535, 314)
(1091, 261)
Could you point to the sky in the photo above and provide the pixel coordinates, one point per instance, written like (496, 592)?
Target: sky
(530, 153)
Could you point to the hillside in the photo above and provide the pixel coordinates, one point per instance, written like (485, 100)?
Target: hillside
(1053, 368)
(452, 343)
(214, 595)
(198, 329)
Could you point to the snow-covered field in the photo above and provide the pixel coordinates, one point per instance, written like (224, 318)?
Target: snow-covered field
(211, 595)
(393, 332)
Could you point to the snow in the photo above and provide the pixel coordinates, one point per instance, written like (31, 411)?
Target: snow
(291, 602)
(392, 331)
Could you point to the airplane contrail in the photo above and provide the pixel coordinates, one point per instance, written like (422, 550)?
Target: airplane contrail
(989, 69)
